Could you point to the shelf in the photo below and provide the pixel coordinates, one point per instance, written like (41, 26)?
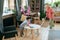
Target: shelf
(35, 5)
(32, 1)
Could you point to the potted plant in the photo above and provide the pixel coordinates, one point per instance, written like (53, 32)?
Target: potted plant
(14, 11)
(57, 3)
(42, 15)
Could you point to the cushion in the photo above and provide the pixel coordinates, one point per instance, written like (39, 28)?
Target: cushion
(57, 13)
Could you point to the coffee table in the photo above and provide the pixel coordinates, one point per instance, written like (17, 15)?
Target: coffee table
(32, 27)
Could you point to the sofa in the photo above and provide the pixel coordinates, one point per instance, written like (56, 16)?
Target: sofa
(57, 16)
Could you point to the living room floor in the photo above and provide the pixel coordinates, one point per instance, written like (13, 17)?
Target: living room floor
(57, 26)
(43, 34)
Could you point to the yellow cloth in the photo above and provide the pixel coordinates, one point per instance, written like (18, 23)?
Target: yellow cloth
(23, 17)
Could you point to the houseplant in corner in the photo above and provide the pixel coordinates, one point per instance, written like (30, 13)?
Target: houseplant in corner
(14, 11)
(57, 3)
(42, 15)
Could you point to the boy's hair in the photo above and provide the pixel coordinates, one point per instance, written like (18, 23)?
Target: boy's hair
(28, 18)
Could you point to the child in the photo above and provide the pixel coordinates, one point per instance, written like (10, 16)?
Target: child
(22, 25)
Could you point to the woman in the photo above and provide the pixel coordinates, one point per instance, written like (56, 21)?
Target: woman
(49, 14)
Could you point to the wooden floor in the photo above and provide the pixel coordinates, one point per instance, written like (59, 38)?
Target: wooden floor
(57, 26)
(43, 35)
(28, 37)
(44, 32)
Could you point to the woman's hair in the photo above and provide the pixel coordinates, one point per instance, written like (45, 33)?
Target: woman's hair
(47, 4)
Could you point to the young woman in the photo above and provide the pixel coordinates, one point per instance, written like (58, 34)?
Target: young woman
(49, 14)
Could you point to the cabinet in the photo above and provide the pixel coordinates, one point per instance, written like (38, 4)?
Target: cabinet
(9, 25)
(9, 20)
(34, 5)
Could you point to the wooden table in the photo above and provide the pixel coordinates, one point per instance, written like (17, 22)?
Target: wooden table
(32, 27)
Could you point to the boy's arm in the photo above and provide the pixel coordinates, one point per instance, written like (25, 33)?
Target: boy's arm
(23, 23)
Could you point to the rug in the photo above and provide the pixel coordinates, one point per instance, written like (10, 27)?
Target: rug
(54, 35)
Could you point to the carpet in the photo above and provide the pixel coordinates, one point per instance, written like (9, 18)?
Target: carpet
(54, 35)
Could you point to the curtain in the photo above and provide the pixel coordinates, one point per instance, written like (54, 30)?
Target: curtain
(1, 12)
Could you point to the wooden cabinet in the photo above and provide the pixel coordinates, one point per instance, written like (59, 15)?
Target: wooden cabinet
(9, 20)
(9, 26)
(34, 5)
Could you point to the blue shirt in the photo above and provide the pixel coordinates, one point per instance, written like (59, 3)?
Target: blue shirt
(23, 23)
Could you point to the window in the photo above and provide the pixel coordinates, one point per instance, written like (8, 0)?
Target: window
(51, 1)
(7, 8)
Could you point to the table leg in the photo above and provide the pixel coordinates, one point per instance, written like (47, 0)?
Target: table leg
(3, 38)
(26, 33)
(16, 37)
(32, 34)
(37, 32)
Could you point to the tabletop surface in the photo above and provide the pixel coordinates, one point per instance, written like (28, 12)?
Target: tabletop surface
(32, 26)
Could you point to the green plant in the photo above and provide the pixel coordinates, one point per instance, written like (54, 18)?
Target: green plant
(57, 3)
(25, 7)
(42, 15)
(14, 11)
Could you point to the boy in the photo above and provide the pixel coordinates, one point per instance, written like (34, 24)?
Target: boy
(22, 25)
